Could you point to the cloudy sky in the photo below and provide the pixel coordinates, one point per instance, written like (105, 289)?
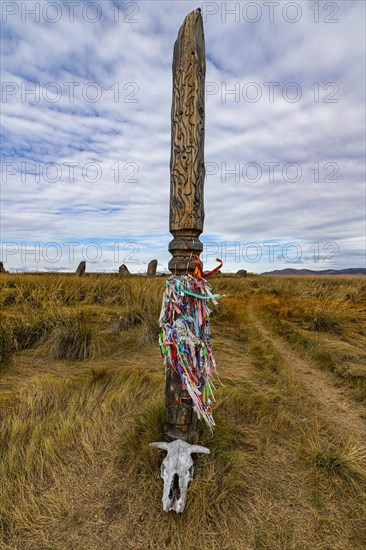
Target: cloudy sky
(86, 99)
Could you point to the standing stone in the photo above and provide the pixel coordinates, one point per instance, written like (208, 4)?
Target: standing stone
(2, 268)
(81, 269)
(187, 174)
(241, 273)
(151, 268)
(123, 270)
(187, 168)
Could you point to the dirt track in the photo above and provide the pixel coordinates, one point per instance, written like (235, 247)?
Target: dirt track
(335, 404)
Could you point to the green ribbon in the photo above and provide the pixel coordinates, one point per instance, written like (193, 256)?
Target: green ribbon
(180, 289)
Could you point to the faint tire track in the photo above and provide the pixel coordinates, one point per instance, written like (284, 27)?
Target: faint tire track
(339, 409)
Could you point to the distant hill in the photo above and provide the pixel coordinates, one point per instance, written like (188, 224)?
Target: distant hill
(290, 271)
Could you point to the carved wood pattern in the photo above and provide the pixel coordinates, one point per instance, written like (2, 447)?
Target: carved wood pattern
(187, 167)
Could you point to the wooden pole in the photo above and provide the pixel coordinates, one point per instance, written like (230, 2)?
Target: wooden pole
(187, 173)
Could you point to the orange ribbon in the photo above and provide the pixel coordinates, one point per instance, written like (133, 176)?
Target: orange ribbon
(198, 272)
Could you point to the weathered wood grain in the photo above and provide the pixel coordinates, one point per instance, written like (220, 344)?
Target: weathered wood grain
(187, 168)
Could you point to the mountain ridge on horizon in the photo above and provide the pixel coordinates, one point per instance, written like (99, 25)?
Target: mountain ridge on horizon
(292, 271)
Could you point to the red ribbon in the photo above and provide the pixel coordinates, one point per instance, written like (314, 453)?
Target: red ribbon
(198, 272)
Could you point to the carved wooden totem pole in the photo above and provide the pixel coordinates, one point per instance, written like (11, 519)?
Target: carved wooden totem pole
(187, 173)
(184, 318)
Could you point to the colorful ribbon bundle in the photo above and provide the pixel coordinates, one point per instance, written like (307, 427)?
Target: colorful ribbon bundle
(185, 337)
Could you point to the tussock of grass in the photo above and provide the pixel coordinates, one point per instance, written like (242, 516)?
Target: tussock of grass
(325, 322)
(23, 331)
(128, 320)
(346, 463)
(6, 345)
(346, 460)
(30, 329)
(149, 334)
(72, 340)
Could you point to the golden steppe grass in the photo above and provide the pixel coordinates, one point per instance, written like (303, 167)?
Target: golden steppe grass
(81, 398)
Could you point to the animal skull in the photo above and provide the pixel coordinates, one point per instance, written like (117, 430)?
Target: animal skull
(177, 472)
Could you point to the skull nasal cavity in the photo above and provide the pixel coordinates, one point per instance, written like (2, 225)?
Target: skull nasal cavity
(174, 489)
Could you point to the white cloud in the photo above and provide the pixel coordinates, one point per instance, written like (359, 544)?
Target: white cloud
(132, 61)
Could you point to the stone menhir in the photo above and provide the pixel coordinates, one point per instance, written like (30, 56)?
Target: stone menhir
(81, 269)
(241, 273)
(187, 168)
(151, 268)
(2, 268)
(123, 270)
(187, 174)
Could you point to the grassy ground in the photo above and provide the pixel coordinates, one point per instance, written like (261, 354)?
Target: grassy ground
(81, 397)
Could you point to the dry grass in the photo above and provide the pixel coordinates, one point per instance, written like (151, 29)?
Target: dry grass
(76, 469)
(327, 323)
